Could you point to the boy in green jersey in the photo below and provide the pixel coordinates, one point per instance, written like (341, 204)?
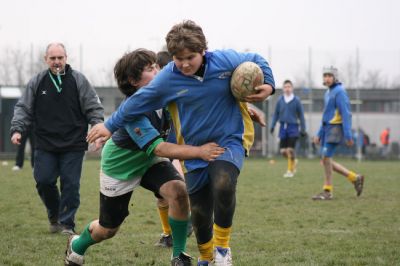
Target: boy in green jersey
(136, 156)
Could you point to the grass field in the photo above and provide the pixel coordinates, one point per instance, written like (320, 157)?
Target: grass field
(276, 222)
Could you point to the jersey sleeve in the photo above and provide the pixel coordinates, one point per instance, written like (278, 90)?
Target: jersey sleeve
(343, 104)
(143, 134)
(153, 96)
(275, 117)
(300, 114)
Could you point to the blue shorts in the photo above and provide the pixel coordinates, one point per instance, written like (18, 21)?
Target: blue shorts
(331, 137)
(288, 131)
(198, 178)
(328, 149)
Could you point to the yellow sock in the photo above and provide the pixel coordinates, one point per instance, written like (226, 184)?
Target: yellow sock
(206, 250)
(163, 212)
(352, 176)
(328, 188)
(222, 236)
(290, 164)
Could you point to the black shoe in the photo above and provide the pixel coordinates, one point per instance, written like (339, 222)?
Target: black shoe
(55, 228)
(182, 260)
(324, 195)
(165, 241)
(65, 230)
(72, 258)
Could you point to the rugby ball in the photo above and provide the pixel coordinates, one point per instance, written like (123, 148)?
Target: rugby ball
(246, 77)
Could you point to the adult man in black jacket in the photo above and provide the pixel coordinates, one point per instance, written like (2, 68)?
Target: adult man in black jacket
(59, 103)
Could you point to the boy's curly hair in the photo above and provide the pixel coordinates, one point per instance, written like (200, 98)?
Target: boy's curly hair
(186, 34)
(129, 69)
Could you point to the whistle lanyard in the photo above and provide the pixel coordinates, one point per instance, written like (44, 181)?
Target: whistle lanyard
(58, 87)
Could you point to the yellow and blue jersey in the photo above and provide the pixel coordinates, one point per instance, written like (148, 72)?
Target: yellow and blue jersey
(337, 110)
(202, 109)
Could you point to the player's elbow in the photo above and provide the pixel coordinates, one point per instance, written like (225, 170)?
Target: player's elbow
(159, 150)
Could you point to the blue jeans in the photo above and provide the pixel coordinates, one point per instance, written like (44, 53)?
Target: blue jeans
(48, 167)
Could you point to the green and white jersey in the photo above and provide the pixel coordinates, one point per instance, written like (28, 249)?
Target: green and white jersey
(129, 153)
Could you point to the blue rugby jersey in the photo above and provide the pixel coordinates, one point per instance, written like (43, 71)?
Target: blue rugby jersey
(337, 110)
(289, 113)
(202, 109)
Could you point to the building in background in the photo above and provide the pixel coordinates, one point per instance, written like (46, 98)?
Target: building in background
(379, 109)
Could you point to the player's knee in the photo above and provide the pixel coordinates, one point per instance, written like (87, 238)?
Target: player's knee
(326, 160)
(100, 233)
(283, 152)
(161, 202)
(224, 191)
(177, 191)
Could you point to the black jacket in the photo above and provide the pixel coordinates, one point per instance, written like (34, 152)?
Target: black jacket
(59, 119)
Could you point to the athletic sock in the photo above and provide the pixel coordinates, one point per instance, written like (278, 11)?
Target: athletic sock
(206, 250)
(222, 236)
(352, 176)
(179, 231)
(328, 188)
(289, 164)
(163, 213)
(85, 240)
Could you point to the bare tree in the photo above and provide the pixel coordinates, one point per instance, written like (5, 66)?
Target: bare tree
(348, 73)
(5, 68)
(18, 63)
(373, 79)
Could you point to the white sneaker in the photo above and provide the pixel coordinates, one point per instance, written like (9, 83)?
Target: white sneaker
(222, 257)
(16, 168)
(72, 258)
(288, 174)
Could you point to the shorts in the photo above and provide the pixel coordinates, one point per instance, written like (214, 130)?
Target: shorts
(288, 131)
(199, 178)
(332, 136)
(288, 143)
(115, 194)
(328, 149)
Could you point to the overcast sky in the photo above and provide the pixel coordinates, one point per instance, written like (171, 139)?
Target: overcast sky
(280, 30)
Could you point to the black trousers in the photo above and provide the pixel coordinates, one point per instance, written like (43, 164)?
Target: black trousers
(216, 201)
(19, 160)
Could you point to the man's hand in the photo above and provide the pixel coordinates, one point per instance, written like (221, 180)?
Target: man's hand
(98, 131)
(16, 138)
(316, 140)
(263, 92)
(210, 151)
(256, 116)
(97, 145)
(349, 142)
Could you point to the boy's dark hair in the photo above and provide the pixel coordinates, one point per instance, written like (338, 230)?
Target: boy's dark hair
(130, 67)
(163, 58)
(288, 81)
(186, 34)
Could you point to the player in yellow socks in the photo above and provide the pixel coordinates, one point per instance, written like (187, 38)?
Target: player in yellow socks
(335, 127)
(289, 112)
(163, 58)
(196, 89)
